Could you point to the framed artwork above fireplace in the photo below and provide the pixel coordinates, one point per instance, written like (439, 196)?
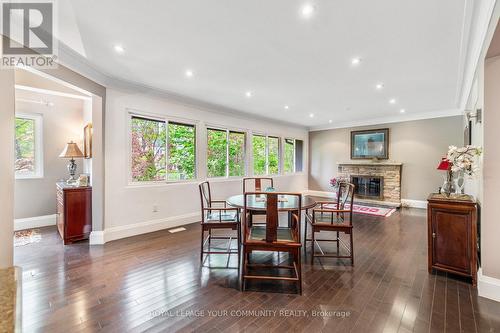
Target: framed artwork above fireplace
(370, 144)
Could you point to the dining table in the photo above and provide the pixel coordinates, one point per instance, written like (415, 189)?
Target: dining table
(257, 202)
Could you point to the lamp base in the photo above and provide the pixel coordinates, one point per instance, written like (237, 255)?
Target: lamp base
(72, 170)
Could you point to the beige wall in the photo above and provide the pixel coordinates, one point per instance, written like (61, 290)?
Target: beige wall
(419, 145)
(490, 225)
(62, 122)
(6, 167)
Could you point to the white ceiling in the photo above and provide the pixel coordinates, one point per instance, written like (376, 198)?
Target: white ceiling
(415, 48)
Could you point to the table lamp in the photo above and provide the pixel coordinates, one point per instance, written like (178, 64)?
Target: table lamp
(71, 151)
(445, 165)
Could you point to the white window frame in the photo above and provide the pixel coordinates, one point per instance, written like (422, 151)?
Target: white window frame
(267, 136)
(38, 119)
(228, 131)
(166, 120)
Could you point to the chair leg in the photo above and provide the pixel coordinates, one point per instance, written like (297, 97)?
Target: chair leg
(238, 243)
(338, 244)
(352, 249)
(201, 247)
(299, 270)
(305, 237)
(244, 269)
(312, 245)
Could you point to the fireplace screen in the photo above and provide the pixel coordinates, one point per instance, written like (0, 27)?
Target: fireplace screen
(369, 187)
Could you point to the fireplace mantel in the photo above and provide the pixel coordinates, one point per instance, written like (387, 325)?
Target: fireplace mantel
(370, 163)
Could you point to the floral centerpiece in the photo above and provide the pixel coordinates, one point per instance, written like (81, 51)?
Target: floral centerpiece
(463, 161)
(335, 181)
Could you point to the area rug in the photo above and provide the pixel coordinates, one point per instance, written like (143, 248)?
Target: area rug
(368, 210)
(25, 237)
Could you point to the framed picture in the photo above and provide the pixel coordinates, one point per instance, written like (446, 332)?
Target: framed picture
(87, 141)
(370, 144)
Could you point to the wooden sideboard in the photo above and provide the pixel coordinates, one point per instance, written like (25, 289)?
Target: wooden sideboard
(74, 212)
(452, 234)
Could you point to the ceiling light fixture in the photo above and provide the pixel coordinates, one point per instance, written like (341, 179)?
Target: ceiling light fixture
(189, 73)
(119, 49)
(311, 115)
(307, 10)
(286, 107)
(392, 101)
(402, 111)
(248, 94)
(355, 61)
(379, 86)
(330, 121)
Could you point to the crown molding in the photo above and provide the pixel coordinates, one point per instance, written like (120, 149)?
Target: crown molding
(390, 119)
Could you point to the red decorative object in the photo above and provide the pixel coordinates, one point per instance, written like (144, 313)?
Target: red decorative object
(444, 164)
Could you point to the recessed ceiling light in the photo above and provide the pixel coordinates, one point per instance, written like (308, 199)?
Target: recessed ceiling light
(119, 49)
(330, 121)
(307, 10)
(311, 115)
(355, 61)
(379, 86)
(286, 107)
(189, 73)
(402, 110)
(392, 101)
(248, 94)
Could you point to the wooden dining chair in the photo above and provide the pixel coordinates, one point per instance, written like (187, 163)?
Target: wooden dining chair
(272, 237)
(215, 214)
(256, 184)
(334, 216)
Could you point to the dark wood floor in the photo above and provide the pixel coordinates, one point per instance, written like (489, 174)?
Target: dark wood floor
(154, 283)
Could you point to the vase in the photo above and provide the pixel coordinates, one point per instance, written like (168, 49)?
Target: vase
(458, 184)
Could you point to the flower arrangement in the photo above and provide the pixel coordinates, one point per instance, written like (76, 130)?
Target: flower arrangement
(464, 159)
(335, 181)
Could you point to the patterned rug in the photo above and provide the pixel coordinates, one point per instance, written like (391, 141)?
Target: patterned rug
(25, 237)
(368, 210)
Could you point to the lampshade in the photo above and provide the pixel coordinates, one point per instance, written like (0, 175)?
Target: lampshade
(444, 164)
(71, 151)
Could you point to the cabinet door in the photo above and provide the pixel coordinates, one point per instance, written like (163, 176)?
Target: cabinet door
(450, 238)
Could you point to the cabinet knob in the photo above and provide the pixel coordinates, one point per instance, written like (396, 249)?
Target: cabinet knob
(433, 235)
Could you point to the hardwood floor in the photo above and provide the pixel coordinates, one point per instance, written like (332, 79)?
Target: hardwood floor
(154, 283)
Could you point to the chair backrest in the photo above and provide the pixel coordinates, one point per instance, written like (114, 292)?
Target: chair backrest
(345, 196)
(257, 184)
(205, 195)
(272, 213)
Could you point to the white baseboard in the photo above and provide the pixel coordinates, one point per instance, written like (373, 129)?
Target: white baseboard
(487, 286)
(323, 194)
(414, 203)
(35, 222)
(404, 202)
(114, 233)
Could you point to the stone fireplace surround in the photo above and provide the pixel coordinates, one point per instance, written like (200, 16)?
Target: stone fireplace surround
(390, 171)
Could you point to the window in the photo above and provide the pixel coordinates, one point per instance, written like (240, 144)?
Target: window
(225, 153)
(266, 155)
(151, 144)
(28, 146)
(289, 156)
(181, 151)
(293, 155)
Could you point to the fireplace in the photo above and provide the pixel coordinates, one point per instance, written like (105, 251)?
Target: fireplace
(368, 187)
